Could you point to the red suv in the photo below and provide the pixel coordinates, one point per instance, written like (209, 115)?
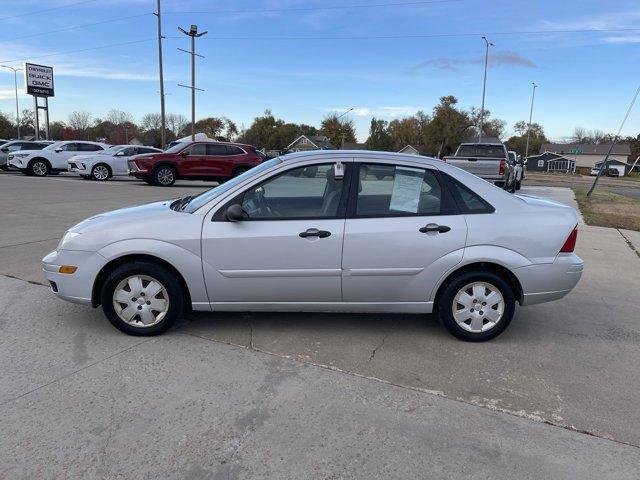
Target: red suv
(195, 161)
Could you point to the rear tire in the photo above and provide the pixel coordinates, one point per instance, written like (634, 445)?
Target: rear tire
(151, 285)
(164, 176)
(38, 168)
(471, 295)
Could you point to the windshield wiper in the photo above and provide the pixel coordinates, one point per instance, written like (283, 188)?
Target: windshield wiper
(183, 202)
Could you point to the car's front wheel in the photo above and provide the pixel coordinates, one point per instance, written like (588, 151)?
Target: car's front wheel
(39, 168)
(142, 298)
(476, 305)
(100, 172)
(164, 176)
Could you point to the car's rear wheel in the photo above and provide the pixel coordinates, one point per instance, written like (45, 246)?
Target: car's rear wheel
(164, 176)
(100, 172)
(239, 171)
(142, 298)
(476, 306)
(39, 168)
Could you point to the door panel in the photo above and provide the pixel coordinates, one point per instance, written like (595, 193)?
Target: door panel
(192, 163)
(393, 251)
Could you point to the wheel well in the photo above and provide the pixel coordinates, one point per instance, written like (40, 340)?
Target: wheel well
(505, 273)
(105, 165)
(165, 164)
(96, 292)
(39, 158)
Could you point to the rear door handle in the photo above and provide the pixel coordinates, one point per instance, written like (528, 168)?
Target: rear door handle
(433, 227)
(314, 232)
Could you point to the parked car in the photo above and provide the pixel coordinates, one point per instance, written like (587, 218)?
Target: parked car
(16, 146)
(612, 172)
(107, 163)
(486, 160)
(198, 137)
(518, 165)
(53, 158)
(195, 161)
(427, 237)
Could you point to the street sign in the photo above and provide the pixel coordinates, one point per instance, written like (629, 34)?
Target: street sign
(38, 80)
(576, 151)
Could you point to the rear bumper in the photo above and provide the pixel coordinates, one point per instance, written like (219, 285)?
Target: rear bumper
(551, 281)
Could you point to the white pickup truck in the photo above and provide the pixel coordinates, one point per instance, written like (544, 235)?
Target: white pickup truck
(489, 161)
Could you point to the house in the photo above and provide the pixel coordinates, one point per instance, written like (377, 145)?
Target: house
(305, 143)
(586, 155)
(409, 149)
(550, 162)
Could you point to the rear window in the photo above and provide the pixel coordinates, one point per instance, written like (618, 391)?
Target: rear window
(481, 151)
(468, 201)
(233, 150)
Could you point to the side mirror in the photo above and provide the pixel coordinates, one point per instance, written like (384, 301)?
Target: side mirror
(58, 149)
(524, 162)
(235, 213)
(184, 153)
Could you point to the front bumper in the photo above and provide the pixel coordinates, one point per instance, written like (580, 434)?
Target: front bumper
(77, 167)
(76, 287)
(550, 281)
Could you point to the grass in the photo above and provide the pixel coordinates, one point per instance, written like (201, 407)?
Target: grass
(606, 209)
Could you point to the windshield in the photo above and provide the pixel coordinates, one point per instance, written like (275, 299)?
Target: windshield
(176, 148)
(481, 151)
(53, 146)
(113, 150)
(209, 195)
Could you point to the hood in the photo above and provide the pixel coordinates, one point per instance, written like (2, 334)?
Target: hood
(109, 221)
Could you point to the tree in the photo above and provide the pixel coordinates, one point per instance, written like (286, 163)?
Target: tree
(215, 127)
(261, 131)
(176, 124)
(407, 131)
(27, 122)
(7, 127)
(119, 117)
(448, 127)
(55, 130)
(79, 123)
(379, 138)
(518, 142)
(151, 121)
(337, 129)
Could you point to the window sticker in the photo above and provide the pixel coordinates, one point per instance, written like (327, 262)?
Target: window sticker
(406, 189)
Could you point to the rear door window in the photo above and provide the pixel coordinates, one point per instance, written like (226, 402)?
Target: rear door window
(198, 149)
(397, 190)
(233, 150)
(213, 149)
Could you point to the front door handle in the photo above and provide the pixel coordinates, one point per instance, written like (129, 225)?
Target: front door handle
(314, 232)
(433, 227)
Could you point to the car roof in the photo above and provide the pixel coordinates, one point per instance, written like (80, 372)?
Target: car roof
(358, 154)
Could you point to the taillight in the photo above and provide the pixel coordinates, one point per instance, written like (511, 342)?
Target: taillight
(503, 165)
(570, 244)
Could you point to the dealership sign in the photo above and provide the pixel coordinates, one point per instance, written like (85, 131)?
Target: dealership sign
(39, 80)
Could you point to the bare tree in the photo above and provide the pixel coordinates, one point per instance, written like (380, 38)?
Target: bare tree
(80, 121)
(151, 121)
(176, 122)
(118, 117)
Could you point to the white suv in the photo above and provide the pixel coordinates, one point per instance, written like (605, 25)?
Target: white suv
(51, 159)
(107, 163)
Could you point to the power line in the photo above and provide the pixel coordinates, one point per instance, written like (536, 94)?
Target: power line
(37, 12)
(417, 35)
(78, 51)
(74, 27)
(310, 9)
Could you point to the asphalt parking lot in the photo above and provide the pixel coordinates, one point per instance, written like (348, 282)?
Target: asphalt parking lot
(323, 396)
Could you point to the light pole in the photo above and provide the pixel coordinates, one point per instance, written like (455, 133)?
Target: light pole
(484, 86)
(193, 33)
(342, 133)
(15, 82)
(533, 97)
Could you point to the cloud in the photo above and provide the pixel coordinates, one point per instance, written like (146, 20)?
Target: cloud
(10, 93)
(605, 22)
(499, 58)
(102, 73)
(380, 112)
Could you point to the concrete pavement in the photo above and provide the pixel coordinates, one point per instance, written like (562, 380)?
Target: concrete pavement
(309, 396)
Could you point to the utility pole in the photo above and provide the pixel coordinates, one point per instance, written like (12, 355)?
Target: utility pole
(15, 83)
(533, 97)
(162, 120)
(604, 163)
(342, 132)
(193, 33)
(484, 87)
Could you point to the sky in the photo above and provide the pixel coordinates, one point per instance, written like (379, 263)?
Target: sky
(304, 59)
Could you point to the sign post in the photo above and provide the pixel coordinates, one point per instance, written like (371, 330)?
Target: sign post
(39, 84)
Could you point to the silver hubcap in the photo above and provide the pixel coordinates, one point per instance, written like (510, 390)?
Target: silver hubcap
(100, 172)
(39, 168)
(478, 307)
(140, 301)
(165, 176)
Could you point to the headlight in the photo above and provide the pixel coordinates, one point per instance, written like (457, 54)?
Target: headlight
(67, 236)
(20, 155)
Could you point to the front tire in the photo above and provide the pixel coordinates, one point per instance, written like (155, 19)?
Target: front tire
(476, 306)
(142, 298)
(38, 168)
(164, 176)
(100, 172)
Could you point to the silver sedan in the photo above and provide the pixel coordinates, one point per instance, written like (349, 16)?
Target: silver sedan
(330, 231)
